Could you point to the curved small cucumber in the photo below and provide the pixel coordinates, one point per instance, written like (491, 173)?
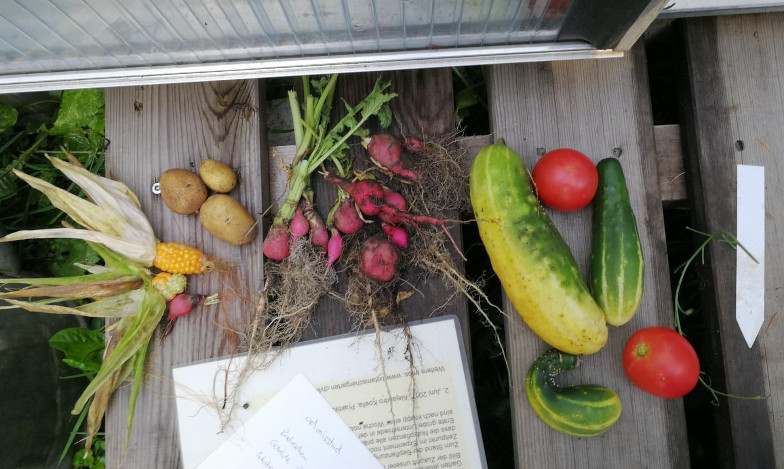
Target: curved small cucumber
(584, 410)
(532, 261)
(617, 267)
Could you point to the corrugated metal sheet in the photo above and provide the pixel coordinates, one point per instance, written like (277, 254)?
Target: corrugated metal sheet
(44, 36)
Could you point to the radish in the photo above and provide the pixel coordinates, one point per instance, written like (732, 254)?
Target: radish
(334, 247)
(367, 193)
(182, 305)
(379, 259)
(276, 244)
(299, 225)
(394, 199)
(387, 152)
(413, 144)
(346, 218)
(319, 235)
(396, 234)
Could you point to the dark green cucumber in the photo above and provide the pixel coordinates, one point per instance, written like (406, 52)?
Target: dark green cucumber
(617, 267)
(584, 410)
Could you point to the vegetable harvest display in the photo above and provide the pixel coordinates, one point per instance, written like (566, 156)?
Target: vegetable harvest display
(123, 288)
(542, 280)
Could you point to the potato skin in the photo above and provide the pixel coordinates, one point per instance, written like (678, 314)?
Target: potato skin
(182, 191)
(217, 175)
(227, 220)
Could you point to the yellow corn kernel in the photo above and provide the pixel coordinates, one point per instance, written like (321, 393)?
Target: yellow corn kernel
(178, 258)
(169, 285)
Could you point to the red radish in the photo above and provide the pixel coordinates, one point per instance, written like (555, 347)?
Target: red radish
(319, 235)
(396, 200)
(347, 219)
(379, 259)
(367, 193)
(413, 144)
(299, 225)
(182, 305)
(396, 234)
(334, 247)
(387, 152)
(276, 244)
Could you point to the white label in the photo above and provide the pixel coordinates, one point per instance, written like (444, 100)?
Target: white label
(750, 275)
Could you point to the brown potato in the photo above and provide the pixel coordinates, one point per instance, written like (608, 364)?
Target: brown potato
(227, 220)
(217, 175)
(182, 191)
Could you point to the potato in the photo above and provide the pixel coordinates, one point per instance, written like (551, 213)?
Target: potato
(217, 175)
(227, 220)
(183, 191)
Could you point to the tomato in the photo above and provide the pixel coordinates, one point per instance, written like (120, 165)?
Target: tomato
(565, 179)
(662, 362)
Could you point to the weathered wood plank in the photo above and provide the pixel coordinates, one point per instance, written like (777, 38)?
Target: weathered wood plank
(152, 129)
(597, 107)
(734, 114)
(669, 159)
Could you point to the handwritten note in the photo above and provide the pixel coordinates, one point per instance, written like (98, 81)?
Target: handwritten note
(296, 429)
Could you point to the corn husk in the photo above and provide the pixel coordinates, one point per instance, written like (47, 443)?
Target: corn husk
(117, 229)
(112, 217)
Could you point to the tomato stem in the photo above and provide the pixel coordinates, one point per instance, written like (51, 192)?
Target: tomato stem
(642, 351)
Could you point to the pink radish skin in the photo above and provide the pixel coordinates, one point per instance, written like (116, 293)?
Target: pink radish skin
(396, 234)
(367, 193)
(319, 235)
(347, 219)
(396, 200)
(180, 306)
(386, 151)
(334, 247)
(379, 259)
(413, 144)
(299, 225)
(276, 244)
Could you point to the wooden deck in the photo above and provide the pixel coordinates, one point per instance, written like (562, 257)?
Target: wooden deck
(734, 103)
(601, 107)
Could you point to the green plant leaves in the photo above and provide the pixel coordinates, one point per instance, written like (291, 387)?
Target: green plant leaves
(80, 110)
(8, 116)
(83, 348)
(70, 251)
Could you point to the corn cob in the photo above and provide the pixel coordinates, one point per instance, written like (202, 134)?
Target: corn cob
(178, 258)
(169, 285)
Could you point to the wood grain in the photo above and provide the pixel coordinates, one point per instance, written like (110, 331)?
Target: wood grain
(734, 113)
(669, 160)
(600, 107)
(152, 129)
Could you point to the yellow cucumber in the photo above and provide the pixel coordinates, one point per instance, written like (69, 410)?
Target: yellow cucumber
(532, 261)
(583, 410)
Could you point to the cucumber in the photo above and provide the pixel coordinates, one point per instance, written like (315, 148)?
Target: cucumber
(532, 261)
(584, 410)
(616, 274)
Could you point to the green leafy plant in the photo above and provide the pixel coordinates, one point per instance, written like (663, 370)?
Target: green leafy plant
(83, 349)
(77, 125)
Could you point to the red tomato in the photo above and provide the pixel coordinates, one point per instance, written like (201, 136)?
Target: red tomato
(661, 362)
(565, 179)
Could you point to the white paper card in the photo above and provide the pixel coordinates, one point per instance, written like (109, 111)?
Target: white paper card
(296, 429)
(438, 428)
(750, 275)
